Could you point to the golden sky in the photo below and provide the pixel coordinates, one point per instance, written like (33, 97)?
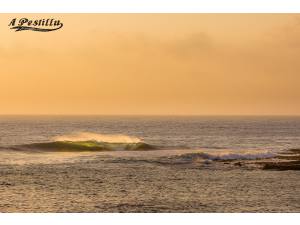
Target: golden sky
(200, 64)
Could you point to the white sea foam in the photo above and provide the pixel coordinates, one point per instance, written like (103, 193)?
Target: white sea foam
(233, 156)
(229, 156)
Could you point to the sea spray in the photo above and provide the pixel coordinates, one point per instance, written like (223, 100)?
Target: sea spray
(87, 136)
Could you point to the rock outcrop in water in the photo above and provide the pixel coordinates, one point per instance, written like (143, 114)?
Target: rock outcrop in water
(293, 163)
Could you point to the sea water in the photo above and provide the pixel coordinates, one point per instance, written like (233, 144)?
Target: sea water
(188, 168)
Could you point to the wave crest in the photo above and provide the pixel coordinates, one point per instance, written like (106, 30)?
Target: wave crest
(85, 146)
(85, 141)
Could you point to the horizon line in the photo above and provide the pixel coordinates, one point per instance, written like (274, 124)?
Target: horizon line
(42, 114)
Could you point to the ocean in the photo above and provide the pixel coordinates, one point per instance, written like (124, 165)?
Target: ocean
(194, 132)
(149, 164)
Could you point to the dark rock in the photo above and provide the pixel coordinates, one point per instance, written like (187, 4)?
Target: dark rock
(238, 164)
(5, 183)
(291, 165)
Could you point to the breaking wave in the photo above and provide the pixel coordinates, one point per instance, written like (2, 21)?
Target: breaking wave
(85, 146)
(89, 142)
(226, 156)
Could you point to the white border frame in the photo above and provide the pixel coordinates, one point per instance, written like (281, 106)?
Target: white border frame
(150, 6)
(149, 218)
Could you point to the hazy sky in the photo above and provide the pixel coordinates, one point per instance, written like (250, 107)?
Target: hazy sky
(152, 64)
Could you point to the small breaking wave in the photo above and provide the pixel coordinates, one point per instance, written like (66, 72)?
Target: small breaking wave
(226, 156)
